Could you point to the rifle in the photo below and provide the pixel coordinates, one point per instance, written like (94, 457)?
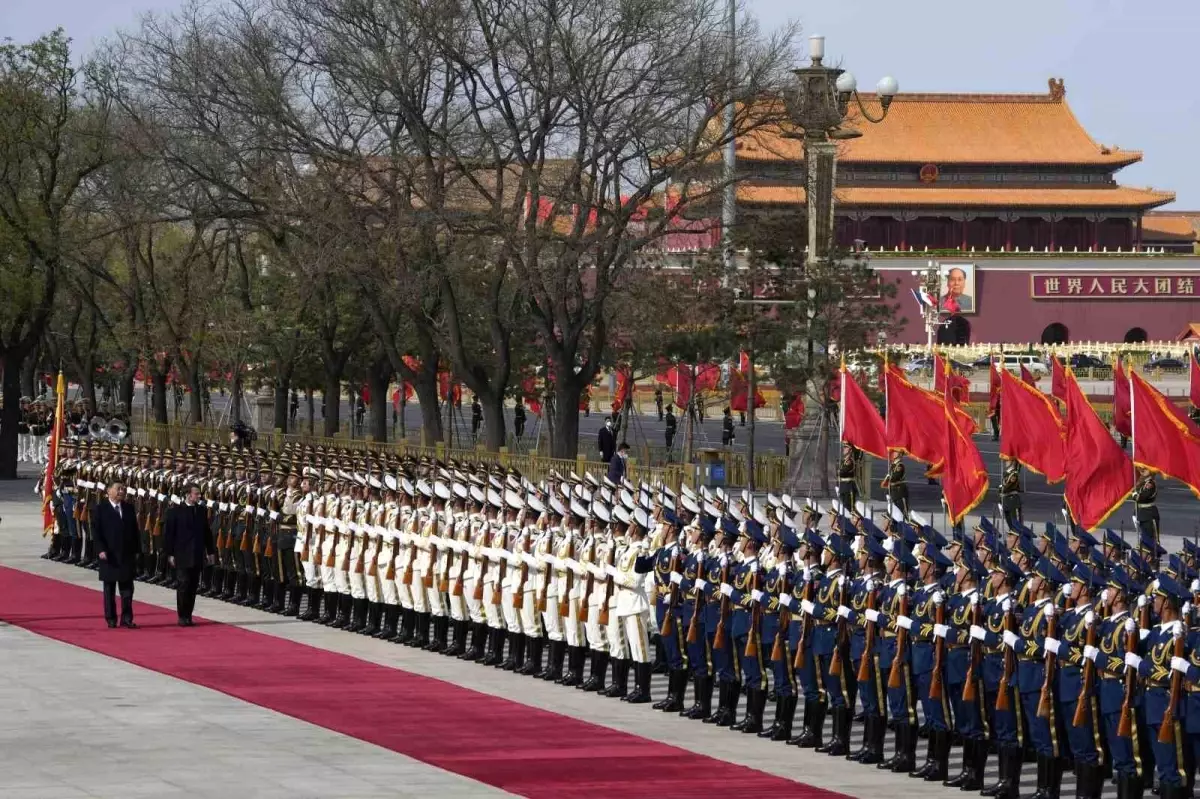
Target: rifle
(1125, 725)
(608, 585)
(584, 610)
(939, 649)
(668, 623)
(477, 593)
(755, 617)
(693, 633)
(158, 520)
(1010, 662)
(897, 670)
(522, 578)
(463, 559)
(564, 602)
(547, 568)
(864, 662)
(308, 531)
(503, 568)
(412, 556)
(244, 544)
(1046, 701)
(444, 577)
(269, 550)
(835, 665)
(719, 640)
(970, 691)
(433, 550)
(1085, 687)
(1166, 731)
(805, 625)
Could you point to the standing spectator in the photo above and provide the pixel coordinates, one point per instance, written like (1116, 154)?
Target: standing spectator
(476, 416)
(606, 440)
(294, 407)
(189, 545)
(519, 418)
(617, 466)
(118, 543)
(360, 411)
(727, 428)
(658, 402)
(669, 430)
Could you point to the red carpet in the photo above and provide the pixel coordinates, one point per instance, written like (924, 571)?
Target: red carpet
(502, 743)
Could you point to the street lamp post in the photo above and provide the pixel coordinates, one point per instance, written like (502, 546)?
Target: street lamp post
(930, 280)
(818, 105)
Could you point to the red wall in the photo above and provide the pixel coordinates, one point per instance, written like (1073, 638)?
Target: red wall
(1006, 313)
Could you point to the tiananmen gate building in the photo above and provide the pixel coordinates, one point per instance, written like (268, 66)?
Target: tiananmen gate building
(1019, 206)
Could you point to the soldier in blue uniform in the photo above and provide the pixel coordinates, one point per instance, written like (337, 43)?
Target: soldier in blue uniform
(963, 605)
(667, 580)
(1127, 754)
(1001, 702)
(699, 656)
(801, 607)
(1172, 761)
(1074, 629)
(717, 571)
(747, 597)
(862, 592)
(890, 618)
(830, 642)
(927, 635)
(776, 621)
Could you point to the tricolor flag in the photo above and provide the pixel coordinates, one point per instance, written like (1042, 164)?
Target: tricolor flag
(56, 437)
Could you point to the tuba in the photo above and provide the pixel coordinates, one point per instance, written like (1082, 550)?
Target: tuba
(97, 427)
(117, 431)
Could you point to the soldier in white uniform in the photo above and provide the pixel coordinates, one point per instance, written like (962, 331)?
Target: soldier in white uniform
(552, 549)
(477, 539)
(347, 514)
(307, 508)
(356, 557)
(438, 561)
(333, 503)
(540, 544)
(573, 634)
(593, 554)
(613, 629)
(633, 565)
(419, 565)
(495, 573)
(373, 534)
(515, 578)
(402, 571)
(386, 559)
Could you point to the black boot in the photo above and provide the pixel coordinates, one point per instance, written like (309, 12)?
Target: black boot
(640, 694)
(229, 590)
(814, 728)
(459, 645)
(930, 764)
(875, 727)
(283, 595)
(76, 551)
(804, 735)
(941, 756)
(702, 686)
(391, 614)
(420, 630)
(474, 650)
(344, 606)
(533, 656)
(968, 765)
(756, 703)
(510, 659)
(839, 744)
(374, 619)
(595, 678)
(1134, 787)
(620, 679)
(676, 685)
(292, 608)
(723, 689)
(358, 615)
(748, 719)
(575, 661)
(902, 762)
(735, 696)
(781, 730)
(404, 627)
(494, 651)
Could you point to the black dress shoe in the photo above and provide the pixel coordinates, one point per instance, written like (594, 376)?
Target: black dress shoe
(129, 625)
(184, 623)
(112, 625)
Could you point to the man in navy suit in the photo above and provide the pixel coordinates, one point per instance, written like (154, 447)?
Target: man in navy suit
(189, 545)
(118, 542)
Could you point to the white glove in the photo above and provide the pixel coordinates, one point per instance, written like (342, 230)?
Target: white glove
(978, 633)
(901, 589)
(938, 598)
(841, 581)
(757, 596)
(1104, 596)
(1186, 609)
(781, 567)
(1180, 665)
(940, 630)
(1130, 626)
(1143, 600)
(726, 589)
(701, 584)
(904, 621)
(1067, 589)
(1050, 610)
(1052, 645)
(807, 572)
(974, 599)
(1010, 639)
(1132, 660)
(843, 612)
(1006, 605)
(785, 600)
(1089, 619)
(1091, 653)
(1195, 586)
(676, 578)
(869, 585)
(807, 607)
(1143, 634)
(872, 616)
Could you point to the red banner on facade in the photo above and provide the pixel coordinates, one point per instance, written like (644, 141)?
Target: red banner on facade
(1071, 286)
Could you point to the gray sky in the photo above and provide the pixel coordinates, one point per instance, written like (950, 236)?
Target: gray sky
(1130, 65)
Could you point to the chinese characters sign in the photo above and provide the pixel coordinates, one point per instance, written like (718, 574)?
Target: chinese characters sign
(1071, 286)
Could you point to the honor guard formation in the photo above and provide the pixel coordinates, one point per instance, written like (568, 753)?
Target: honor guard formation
(1052, 647)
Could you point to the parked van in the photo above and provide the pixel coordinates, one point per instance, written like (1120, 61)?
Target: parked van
(1034, 363)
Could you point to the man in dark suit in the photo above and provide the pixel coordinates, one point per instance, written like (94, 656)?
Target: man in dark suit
(616, 466)
(189, 545)
(606, 441)
(118, 541)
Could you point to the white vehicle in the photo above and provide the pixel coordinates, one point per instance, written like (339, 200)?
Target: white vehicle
(1034, 363)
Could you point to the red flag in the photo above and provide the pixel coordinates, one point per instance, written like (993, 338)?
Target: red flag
(624, 387)
(993, 386)
(448, 390)
(738, 389)
(56, 437)
(1121, 420)
(861, 423)
(959, 386)
(743, 362)
(964, 477)
(585, 398)
(915, 420)
(1031, 429)
(1193, 379)
(1164, 439)
(1099, 473)
(1029, 377)
(1058, 380)
(533, 399)
(795, 413)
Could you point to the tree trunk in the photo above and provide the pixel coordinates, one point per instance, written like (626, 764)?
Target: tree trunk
(494, 432)
(159, 397)
(564, 443)
(10, 416)
(377, 381)
(312, 411)
(333, 404)
(125, 389)
(87, 388)
(281, 405)
(195, 395)
(431, 413)
(235, 397)
(28, 373)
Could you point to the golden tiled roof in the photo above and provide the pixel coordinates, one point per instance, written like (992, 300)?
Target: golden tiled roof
(862, 197)
(1162, 226)
(958, 129)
